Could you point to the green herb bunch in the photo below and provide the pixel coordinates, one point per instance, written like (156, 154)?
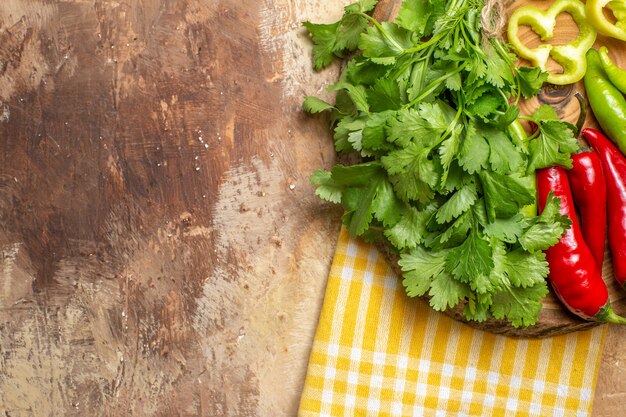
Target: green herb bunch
(429, 103)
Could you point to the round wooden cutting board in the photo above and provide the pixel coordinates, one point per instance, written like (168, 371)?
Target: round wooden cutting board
(554, 318)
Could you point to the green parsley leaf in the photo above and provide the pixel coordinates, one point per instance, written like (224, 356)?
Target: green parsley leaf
(475, 89)
(474, 152)
(498, 276)
(475, 311)
(355, 138)
(361, 6)
(502, 119)
(419, 267)
(446, 292)
(358, 204)
(411, 187)
(487, 104)
(326, 189)
(418, 174)
(456, 177)
(487, 284)
(419, 16)
(324, 37)
(447, 154)
(357, 93)
(507, 230)
(399, 161)
(500, 73)
(332, 40)
(385, 95)
(526, 269)
(367, 194)
(344, 133)
(357, 175)
(315, 105)
(410, 230)
(478, 69)
(360, 217)
(454, 82)
(362, 71)
(471, 259)
(504, 157)
(424, 271)
(345, 105)
(541, 236)
(349, 32)
(385, 205)
(385, 41)
(458, 203)
(409, 125)
(450, 236)
(554, 146)
(547, 229)
(504, 194)
(545, 113)
(530, 80)
(521, 306)
(374, 132)
(439, 115)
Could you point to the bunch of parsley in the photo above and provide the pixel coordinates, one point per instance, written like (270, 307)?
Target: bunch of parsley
(428, 103)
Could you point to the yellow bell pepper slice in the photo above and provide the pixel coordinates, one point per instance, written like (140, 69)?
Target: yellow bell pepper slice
(595, 15)
(570, 56)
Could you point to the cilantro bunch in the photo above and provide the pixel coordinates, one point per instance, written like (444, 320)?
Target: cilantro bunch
(429, 104)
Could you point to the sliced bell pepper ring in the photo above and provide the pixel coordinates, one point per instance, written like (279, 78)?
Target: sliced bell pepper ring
(616, 75)
(596, 16)
(571, 56)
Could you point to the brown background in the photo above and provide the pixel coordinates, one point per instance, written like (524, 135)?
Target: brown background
(161, 251)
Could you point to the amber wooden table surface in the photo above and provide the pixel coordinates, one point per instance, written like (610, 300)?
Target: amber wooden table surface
(161, 250)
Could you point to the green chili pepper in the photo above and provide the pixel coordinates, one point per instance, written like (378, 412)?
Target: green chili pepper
(570, 56)
(615, 73)
(607, 102)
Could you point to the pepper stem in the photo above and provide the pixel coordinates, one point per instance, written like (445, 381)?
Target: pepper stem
(582, 143)
(607, 315)
(583, 113)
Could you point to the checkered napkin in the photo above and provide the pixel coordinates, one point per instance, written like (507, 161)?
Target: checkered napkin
(379, 353)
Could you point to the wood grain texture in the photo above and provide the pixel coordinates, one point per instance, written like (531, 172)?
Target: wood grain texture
(161, 249)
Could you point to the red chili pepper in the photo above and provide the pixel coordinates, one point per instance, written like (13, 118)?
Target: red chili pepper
(573, 272)
(614, 164)
(589, 191)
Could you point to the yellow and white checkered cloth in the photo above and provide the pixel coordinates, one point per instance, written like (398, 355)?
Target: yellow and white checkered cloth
(379, 353)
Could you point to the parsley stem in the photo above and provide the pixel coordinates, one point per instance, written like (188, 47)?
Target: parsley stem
(453, 14)
(411, 62)
(503, 52)
(418, 74)
(457, 116)
(433, 40)
(441, 33)
(451, 127)
(433, 86)
(383, 32)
